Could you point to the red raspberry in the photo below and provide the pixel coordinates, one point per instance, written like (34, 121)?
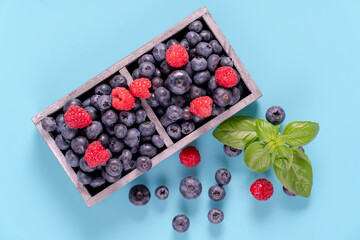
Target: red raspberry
(140, 88)
(190, 156)
(77, 117)
(262, 189)
(177, 56)
(122, 99)
(201, 106)
(96, 154)
(226, 77)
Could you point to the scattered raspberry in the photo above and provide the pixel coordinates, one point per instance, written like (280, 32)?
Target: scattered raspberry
(190, 156)
(226, 77)
(201, 106)
(177, 56)
(122, 99)
(77, 117)
(96, 154)
(140, 88)
(262, 189)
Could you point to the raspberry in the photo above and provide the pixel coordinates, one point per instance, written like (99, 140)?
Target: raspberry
(122, 99)
(226, 77)
(177, 56)
(190, 156)
(96, 154)
(140, 88)
(262, 189)
(201, 106)
(77, 117)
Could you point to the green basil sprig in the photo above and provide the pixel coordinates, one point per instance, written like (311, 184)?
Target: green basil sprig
(265, 146)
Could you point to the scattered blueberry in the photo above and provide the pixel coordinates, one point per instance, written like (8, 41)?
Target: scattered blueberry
(156, 82)
(79, 144)
(109, 178)
(196, 92)
(275, 115)
(113, 167)
(162, 95)
(139, 195)
(165, 121)
(60, 122)
(103, 89)
(132, 137)
(70, 102)
(197, 119)
(147, 128)
(174, 112)
(86, 103)
(97, 181)
(187, 127)
(140, 116)
(120, 130)
(48, 124)
(217, 110)
(115, 145)
(187, 68)
(135, 149)
(215, 216)
(231, 152)
(104, 139)
(84, 178)
(162, 192)
(165, 68)
(68, 132)
(135, 74)
(181, 223)
(92, 111)
(174, 131)
(206, 35)
(104, 102)
(195, 26)
(203, 49)
(193, 38)
(94, 130)
(118, 81)
(202, 77)
(213, 62)
(185, 44)
(198, 64)
(146, 58)
(148, 150)
(152, 101)
(235, 95)
(171, 42)
(127, 118)
(287, 192)
(157, 141)
(159, 52)
(137, 104)
(84, 166)
(93, 100)
(222, 176)
(187, 115)
(190, 187)
(110, 130)
(177, 100)
(178, 82)
(109, 117)
(71, 158)
(192, 53)
(222, 96)
(143, 164)
(216, 47)
(147, 70)
(127, 161)
(216, 193)
(157, 73)
(226, 61)
(145, 138)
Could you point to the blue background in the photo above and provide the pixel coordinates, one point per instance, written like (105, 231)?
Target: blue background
(304, 56)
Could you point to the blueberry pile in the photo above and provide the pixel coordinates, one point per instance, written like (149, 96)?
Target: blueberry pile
(173, 89)
(129, 135)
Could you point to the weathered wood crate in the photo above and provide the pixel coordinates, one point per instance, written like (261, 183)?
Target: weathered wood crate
(122, 68)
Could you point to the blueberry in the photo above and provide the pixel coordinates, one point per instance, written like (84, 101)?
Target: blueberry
(287, 192)
(275, 115)
(84, 166)
(139, 195)
(187, 68)
(193, 38)
(147, 70)
(160, 111)
(222, 176)
(190, 187)
(135, 74)
(198, 64)
(171, 42)
(147, 128)
(120, 130)
(145, 138)
(83, 178)
(48, 124)
(174, 112)
(134, 149)
(140, 116)
(143, 164)
(212, 83)
(216, 193)
(137, 104)
(226, 61)
(162, 95)
(68, 132)
(206, 35)
(109, 117)
(93, 100)
(202, 77)
(165, 104)
(165, 68)
(174, 131)
(159, 52)
(104, 102)
(185, 44)
(110, 178)
(301, 148)
(222, 96)
(104, 139)
(203, 49)
(127, 118)
(118, 81)
(235, 95)
(115, 145)
(178, 82)
(71, 102)
(195, 26)
(71, 158)
(213, 62)
(231, 152)
(165, 121)
(148, 150)
(177, 100)
(152, 101)
(146, 58)
(156, 82)
(86, 103)
(157, 73)
(110, 130)
(181, 223)
(197, 119)
(187, 127)
(113, 167)
(192, 53)
(215, 215)
(157, 141)
(126, 160)
(60, 122)
(103, 89)
(94, 130)
(217, 110)
(162, 192)
(79, 144)
(92, 111)
(196, 92)
(97, 182)
(216, 47)
(132, 137)
(187, 115)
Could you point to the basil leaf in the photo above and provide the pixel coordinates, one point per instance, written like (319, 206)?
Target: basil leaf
(299, 178)
(265, 130)
(237, 132)
(283, 158)
(256, 158)
(300, 133)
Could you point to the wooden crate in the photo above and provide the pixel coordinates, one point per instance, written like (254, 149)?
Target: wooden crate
(121, 67)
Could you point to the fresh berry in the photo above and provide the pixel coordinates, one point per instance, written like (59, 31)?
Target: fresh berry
(162, 95)
(71, 102)
(195, 26)
(147, 128)
(92, 111)
(143, 164)
(94, 99)
(226, 77)
(140, 88)
(275, 115)
(206, 35)
(231, 152)
(226, 61)
(96, 154)
(217, 110)
(178, 82)
(147, 149)
(197, 119)
(198, 64)
(190, 156)
(135, 74)
(139, 195)
(97, 181)
(94, 130)
(222, 176)
(109, 178)
(235, 95)
(134, 149)
(300, 148)
(127, 118)
(177, 100)
(203, 49)
(79, 144)
(165, 121)
(62, 143)
(216, 47)
(287, 192)
(192, 53)
(83, 178)
(187, 68)
(177, 56)
(71, 158)
(262, 189)
(174, 131)
(171, 42)
(118, 81)
(132, 137)
(104, 139)
(181, 223)
(165, 68)
(174, 112)
(145, 139)
(146, 58)
(202, 77)
(184, 43)
(215, 216)
(152, 101)
(147, 70)
(216, 193)
(156, 82)
(140, 116)
(187, 115)
(162, 192)
(193, 38)
(84, 166)
(104, 102)
(127, 161)
(77, 117)
(122, 99)
(190, 187)
(115, 145)
(48, 124)
(212, 85)
(86, 103)
(187, 127)
(113, 167)
(157, 141)
(201, 106)
(110, 130)
(109, 117)
(222, 96)
(103, 89)
(120, 130)
(69, 133)
(213, 62)
(159, 52)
